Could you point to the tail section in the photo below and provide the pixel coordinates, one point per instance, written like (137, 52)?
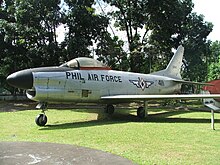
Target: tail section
(174, 66)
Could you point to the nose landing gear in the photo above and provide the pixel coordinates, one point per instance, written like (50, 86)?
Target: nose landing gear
(41, 119)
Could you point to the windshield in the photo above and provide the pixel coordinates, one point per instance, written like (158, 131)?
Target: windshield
(83, 62)
(71, 64)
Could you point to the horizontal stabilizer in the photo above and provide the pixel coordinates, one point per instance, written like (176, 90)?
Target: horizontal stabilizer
(212, 106)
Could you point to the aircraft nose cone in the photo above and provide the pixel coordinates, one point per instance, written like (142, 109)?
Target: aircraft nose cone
(21, 79)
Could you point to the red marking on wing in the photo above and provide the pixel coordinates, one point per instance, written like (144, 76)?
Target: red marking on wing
(215, 89)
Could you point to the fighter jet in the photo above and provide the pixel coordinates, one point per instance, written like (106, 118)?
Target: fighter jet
(90, 81)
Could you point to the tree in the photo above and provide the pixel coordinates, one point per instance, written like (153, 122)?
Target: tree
(41, 18)
(28, 34)
(214, 61)
(165, 25)
(9, 49)
(110, 51)
(197, 48)
(167, 21)
(32, 32)
(131, 16)
(84, 27)
(159, 20)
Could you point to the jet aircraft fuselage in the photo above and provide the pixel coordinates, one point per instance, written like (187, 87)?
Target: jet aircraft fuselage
(90, 85)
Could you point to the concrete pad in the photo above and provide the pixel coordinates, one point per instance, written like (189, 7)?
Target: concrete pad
(29, 153)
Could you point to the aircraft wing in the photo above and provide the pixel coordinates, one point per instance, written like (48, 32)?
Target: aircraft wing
(158, 97)
(191, 82)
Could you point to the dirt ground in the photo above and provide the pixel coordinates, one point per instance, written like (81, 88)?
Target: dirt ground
(11, 106)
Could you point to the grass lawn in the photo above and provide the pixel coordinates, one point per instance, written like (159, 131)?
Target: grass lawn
(167, 136)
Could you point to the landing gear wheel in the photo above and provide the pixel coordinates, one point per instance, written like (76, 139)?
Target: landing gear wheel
(110, 109)
(41, 120)
(141, 112)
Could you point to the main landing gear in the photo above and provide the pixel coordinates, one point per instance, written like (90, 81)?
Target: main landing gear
(109, 109)
(142, 111)
(41, 119)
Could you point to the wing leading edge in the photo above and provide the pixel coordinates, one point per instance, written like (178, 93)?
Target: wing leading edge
(191, 82)
(157, 97)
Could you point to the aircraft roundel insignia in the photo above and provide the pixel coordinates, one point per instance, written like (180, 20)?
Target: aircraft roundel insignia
(141, 83)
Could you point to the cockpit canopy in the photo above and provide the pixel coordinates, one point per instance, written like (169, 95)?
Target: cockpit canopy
(85, 63)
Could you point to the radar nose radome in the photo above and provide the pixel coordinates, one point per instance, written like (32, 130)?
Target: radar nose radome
(21, 79)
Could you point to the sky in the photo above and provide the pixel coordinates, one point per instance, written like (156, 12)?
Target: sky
(211, 10)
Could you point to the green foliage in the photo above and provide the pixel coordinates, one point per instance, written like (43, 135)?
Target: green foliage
(166, 25)
(28, 33)
(214, 61)
(190, 30)
(84, 28)
(109, 50)
(132, 16)
(197, 48)
(30, 40)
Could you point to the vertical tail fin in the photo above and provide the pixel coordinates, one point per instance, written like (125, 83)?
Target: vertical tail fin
(174, 66)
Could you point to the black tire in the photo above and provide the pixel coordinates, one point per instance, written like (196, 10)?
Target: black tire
(41, 120)
(110, 109)
(141, 112)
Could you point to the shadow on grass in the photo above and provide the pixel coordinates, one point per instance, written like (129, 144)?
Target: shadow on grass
(119, 118)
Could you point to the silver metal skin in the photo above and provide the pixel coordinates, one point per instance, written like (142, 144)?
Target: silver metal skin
(90, 86)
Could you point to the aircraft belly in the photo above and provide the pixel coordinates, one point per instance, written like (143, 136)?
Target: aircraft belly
(50, 95)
